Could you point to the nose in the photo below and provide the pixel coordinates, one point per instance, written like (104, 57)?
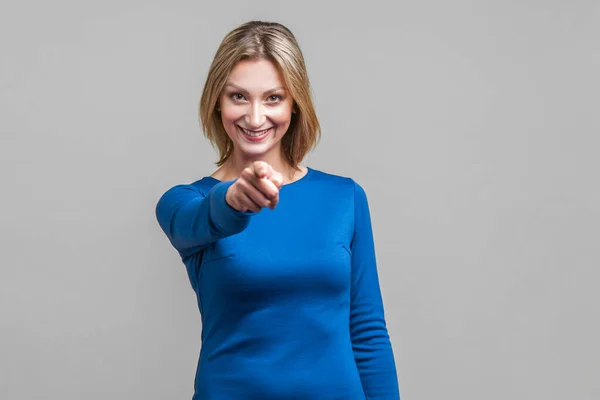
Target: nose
(255, 118)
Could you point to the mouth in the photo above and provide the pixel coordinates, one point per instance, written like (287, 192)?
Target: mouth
(255, 135)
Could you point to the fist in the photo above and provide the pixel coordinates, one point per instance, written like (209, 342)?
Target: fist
(257, 187)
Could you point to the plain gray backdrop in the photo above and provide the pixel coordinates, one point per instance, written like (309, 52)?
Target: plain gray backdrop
(472, 125)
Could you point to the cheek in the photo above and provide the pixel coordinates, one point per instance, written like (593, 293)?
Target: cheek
(228, 119)
(230, 114)
(282, 115)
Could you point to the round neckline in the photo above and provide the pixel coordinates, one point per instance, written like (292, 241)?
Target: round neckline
(309, 171)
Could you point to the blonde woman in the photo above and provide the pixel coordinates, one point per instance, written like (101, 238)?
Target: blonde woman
(280, 255)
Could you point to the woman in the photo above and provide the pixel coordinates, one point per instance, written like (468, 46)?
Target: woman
(280, 255)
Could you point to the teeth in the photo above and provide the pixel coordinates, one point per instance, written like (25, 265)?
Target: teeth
(255, 134)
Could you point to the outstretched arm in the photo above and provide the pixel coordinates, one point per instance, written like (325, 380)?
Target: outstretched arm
(192, 220)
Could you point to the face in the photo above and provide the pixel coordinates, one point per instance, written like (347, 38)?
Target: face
(256, 109)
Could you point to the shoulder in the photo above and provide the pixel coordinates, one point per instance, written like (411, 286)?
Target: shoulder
(346, 194)
(173, 195)
(330, 178)
(201, 186)
(337, 182)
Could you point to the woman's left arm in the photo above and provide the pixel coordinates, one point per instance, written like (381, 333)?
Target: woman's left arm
(370, 339)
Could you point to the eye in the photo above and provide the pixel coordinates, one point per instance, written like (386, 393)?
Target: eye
(237, 96)
(274, 98)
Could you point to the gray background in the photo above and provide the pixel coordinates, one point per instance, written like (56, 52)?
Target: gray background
(473, 126)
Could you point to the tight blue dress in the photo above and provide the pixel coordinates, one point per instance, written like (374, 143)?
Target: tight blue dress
(290, 302)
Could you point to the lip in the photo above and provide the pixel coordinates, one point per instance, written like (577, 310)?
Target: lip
(254, 139)
(255, 130)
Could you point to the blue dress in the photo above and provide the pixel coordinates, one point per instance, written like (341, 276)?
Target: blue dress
(289, 298)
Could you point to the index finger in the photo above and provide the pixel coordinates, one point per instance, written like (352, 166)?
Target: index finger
(261, 169)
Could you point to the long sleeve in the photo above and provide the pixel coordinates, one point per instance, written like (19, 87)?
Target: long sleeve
(192, 220)
(370, 339)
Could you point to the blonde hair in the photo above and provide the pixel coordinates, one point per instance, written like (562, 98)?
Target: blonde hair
(274, 42)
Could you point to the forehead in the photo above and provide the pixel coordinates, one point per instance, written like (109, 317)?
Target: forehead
(256, 75)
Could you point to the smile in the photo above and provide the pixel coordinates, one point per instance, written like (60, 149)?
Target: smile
(255, 134)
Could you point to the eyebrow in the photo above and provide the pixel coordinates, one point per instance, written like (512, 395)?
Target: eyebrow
(244, 91)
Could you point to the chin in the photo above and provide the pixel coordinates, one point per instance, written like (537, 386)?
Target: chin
(254, 152)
